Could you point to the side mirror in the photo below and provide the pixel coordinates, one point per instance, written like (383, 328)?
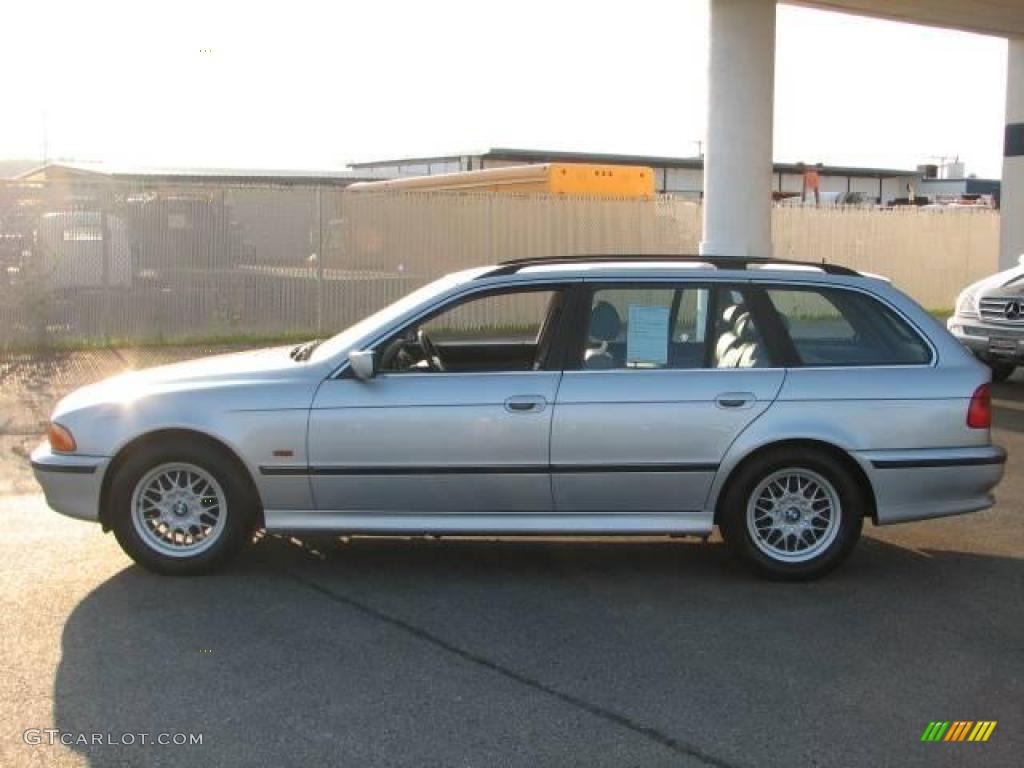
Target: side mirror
(363, 363)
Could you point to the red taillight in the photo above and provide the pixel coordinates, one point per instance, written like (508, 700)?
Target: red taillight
(979, 412)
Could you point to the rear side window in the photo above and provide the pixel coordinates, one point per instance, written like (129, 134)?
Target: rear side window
(647, 327)
(672, 327)
(834, 327)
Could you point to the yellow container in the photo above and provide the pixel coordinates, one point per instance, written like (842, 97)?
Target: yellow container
(628, 181)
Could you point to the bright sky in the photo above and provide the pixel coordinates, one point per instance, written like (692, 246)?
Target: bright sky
(302, 84)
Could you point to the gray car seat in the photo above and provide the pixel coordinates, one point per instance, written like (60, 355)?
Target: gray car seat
(727, 335)
(739, 345)
(605, 326)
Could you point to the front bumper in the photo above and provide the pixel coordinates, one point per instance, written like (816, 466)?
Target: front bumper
(935, 482)
(70, 483)
(976, 335)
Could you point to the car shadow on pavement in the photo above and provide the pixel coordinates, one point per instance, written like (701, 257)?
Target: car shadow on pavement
(521, 652)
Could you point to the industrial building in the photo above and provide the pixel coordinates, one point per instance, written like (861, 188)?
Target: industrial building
(92, 174)
(950, 183)
(682, 176)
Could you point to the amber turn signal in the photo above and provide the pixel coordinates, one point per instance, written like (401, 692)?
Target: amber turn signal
(60, 438)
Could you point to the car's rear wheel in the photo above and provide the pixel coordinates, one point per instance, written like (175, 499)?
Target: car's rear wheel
(792, 513)
(181, 509)
(1001, 371)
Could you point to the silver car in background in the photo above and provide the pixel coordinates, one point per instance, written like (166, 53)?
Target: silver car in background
(782, 402)
(989, 320)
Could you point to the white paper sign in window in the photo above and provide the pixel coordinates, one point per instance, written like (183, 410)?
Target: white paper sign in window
(647, 336)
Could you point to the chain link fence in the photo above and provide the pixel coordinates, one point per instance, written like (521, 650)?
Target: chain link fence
(112, 262)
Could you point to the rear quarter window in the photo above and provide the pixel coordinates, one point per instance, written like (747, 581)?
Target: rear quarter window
(836, 327)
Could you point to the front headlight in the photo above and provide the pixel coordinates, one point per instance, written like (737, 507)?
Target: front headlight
(967, 303)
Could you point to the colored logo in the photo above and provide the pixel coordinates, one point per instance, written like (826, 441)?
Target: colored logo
(959, 730)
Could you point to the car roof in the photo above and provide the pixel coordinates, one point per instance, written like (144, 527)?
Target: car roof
(670, 267)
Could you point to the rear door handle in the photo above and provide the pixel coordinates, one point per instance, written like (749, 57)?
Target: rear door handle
(526, 403)
(735, 400)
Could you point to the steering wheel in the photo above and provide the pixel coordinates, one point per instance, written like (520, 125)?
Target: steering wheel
(430, 351)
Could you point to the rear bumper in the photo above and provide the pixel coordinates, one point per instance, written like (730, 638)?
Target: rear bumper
(70, 483)
(919, 484)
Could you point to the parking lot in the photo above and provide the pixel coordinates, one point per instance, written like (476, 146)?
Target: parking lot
(503, 652)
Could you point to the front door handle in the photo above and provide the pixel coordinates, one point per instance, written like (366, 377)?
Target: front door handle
(735, 400)
(526, 403)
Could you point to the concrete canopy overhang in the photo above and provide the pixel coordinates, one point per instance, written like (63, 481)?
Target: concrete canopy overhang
(1004, 18)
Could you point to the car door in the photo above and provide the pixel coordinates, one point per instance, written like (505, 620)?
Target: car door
(473, 438)
(666, 377)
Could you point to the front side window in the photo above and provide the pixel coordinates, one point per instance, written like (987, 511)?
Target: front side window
(506, 331)
(835, 327)
(503, 317)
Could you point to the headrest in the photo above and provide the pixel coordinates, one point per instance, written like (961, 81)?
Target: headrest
(605, 323)
(744, 328)
(732, 312)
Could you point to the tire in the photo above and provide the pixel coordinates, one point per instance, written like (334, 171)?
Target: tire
(760, 525)
(1001, 371)
(182, 508)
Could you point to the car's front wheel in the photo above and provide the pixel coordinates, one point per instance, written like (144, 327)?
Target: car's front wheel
(792, 513)
(181, 508)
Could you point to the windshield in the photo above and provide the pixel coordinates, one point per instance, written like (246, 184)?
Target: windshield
(342, 341)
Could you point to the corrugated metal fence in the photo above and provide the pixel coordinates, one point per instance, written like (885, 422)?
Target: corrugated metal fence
(93, 263)
(930, 254)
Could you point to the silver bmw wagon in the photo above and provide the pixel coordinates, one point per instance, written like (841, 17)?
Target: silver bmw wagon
(783, 402)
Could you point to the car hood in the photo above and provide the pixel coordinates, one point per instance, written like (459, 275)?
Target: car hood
(996, 284)
(239, 368)
(1002, 289)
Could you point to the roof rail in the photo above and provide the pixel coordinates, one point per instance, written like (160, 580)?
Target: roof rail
(719, 262)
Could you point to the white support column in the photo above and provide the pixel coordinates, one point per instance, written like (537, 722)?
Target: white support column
(1011, 229)
(738, 154)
